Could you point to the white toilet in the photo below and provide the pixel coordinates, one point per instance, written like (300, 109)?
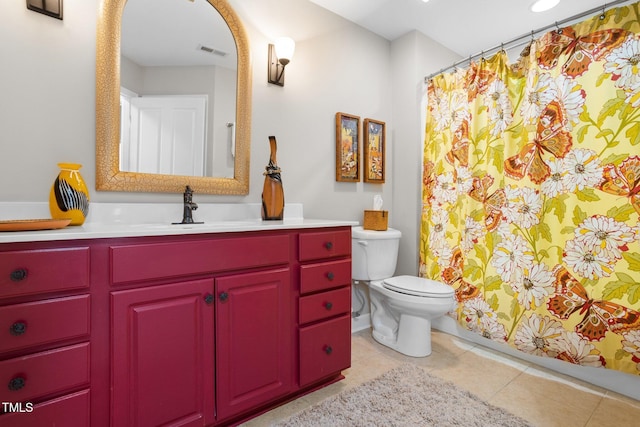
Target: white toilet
(402, 307)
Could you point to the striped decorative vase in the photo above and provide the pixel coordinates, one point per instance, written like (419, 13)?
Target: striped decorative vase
(69, 197)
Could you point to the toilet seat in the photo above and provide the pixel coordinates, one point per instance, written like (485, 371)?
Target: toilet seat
(418, 287)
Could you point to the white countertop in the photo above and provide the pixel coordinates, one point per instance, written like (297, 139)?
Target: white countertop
(100, 231)
(136, 220)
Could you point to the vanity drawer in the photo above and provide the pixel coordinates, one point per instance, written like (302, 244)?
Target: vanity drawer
(325, 244)
(28, 378)
(71, 410)
(33, 323)
(325, 349)
(324, 305)
(325, 275)
(39, 271)
(130, 263)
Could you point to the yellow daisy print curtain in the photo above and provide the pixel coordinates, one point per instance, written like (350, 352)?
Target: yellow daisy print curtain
(531, 193)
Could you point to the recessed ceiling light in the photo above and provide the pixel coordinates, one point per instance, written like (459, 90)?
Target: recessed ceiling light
(542, 5)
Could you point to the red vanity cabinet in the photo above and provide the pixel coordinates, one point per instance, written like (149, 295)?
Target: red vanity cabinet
(324, 305)
(254, 340)
(162, 353)
(233, 327)
(44, 334)
(201, 329)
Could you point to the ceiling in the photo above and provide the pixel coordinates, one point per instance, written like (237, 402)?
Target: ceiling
(466, 27)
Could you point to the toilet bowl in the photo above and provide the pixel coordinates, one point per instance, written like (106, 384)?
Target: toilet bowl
(402, 307)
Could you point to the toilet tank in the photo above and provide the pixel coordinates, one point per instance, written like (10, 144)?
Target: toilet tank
(374, 254)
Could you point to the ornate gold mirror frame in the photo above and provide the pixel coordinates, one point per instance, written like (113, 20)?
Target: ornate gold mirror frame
(109, 177)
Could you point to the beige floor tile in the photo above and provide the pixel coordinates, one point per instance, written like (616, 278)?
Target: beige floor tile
(615, 413)
(279, 413)
(447, 345)
(547, 403)
(481, 376)
(500, 357)
(543, 397)
(366, 369)
(630, 401)
(556, 377)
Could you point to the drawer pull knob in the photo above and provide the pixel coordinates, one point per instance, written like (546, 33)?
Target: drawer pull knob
(328, 349)
(18, 328)
(328, 305)
(223, 296)
(208, 298)
(330, 275)
(328, 245)
(18, 275)
(16, 383)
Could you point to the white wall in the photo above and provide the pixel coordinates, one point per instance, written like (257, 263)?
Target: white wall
(47, 113)
(47, 96)
(413, 57)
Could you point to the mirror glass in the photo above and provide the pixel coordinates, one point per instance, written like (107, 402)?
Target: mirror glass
(180, 87)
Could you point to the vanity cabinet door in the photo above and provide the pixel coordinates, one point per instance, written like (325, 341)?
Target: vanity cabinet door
(162, 355)
(254, 346)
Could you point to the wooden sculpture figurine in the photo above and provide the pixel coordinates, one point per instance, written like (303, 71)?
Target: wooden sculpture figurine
(272, 192)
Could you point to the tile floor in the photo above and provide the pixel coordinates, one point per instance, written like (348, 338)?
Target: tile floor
(543, 397)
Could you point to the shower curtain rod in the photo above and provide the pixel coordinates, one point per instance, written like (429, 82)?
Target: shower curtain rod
(524, 38)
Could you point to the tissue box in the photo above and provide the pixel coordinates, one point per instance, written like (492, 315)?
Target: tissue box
(375, 220)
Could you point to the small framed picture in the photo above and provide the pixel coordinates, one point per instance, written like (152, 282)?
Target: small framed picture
(374, 143)
(347, 148)
(51, 8)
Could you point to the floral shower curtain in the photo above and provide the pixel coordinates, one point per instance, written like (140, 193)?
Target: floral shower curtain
(531, 193)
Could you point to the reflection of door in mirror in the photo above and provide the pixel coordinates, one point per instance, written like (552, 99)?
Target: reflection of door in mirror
(171, 50)
(166, 134)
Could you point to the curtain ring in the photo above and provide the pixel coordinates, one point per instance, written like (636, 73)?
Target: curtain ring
(604, 7)
(558, 29)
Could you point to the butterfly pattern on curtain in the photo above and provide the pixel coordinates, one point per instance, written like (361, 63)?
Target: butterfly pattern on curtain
(531, 193)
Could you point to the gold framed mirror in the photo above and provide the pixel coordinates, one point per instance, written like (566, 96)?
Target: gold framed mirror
(109, 175)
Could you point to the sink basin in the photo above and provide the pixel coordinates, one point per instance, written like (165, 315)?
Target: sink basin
(205, 225)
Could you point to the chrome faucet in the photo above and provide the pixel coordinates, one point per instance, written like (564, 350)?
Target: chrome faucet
(189, 206)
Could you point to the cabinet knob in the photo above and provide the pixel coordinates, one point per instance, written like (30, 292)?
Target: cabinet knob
(223, 296)
(18, 328)
(330, 275)
(208, 298)
(16, 383)
(328, 349)
(18, 274)
(328, 245)
(328, 305)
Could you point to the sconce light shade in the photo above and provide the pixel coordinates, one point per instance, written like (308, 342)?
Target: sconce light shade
(284, 49)
(280, 55)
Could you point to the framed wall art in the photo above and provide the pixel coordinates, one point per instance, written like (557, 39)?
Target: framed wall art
(347, 148)
(374, 145)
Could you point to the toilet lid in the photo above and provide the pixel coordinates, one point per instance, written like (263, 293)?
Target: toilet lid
(417, 286)
(360, 233)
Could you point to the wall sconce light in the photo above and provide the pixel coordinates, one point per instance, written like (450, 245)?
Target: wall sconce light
(280, 55)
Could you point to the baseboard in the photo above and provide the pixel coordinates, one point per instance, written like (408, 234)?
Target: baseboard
(360, 322)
